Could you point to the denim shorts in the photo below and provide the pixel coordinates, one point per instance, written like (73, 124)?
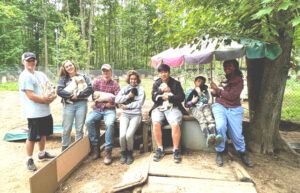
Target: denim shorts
(42, 126)
(173, 116)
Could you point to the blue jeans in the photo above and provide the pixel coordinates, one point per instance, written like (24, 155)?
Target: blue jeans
(76, 111)
(230, 119)
(92, 124)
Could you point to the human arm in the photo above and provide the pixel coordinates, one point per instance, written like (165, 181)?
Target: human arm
(191, 99)
(156, 92)
(60, 88)
(39, 99)
(138, 100)
(177, 91)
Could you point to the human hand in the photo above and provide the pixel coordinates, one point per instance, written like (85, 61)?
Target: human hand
(49, 99)
(195, 100)
(124, 107)
(165, 97)
(130, 95)
(213, 86)
(74, 97)
(166, 89)
(109, 105)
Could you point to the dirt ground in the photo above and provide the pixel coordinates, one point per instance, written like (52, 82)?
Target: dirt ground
(271, 174)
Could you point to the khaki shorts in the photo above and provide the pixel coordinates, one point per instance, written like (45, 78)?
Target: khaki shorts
(173, 116)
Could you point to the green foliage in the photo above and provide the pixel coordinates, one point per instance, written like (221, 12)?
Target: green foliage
(290, 108)
(72, 46)
(9, 86)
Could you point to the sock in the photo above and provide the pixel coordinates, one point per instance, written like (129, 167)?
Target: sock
(175, 149)
(29, 157)
(160, 147)
(41, 153)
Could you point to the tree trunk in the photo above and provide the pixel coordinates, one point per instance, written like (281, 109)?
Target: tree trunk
(267, 96)
(46, 44)
(82, 19)
(90, 35)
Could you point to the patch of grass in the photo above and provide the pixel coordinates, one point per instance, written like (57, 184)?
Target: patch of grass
(9, 86)
(290, 107)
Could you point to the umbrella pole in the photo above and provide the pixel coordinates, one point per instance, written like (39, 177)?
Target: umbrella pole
(211, 79)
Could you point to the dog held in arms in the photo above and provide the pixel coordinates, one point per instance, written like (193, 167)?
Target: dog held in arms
(166, 104)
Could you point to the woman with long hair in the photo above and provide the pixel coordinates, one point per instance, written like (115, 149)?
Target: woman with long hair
(74, 89)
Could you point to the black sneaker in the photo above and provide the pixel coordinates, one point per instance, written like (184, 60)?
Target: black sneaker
(246, 160)
(30, 165)
(219, 159)
(123, 158)
(177, 156)
(158, 154)
(129, 158)
(46, 156)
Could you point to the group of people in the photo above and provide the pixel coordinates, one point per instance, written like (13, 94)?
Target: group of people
(216, 121)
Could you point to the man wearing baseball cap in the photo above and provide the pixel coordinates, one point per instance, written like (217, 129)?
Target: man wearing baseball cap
(106, 110)
(35, 108)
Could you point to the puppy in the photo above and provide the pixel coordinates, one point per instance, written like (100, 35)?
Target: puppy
(48, 89)
(166, 104)
(134, 91)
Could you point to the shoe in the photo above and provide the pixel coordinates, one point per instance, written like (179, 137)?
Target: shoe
(95, 153)
(246, 160)
(129, 158)
(218, 140)
(107, 157)
(159, 153)
(219, 159)
(211, 140)
(30, 165)
(177, 156)
(123, 157)
(46, 156)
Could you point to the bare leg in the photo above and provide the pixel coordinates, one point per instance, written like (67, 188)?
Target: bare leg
(176, 134)
(42, 143)
(157, 133)
(29, 147)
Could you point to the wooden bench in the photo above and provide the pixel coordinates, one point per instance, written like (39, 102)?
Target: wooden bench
(142, 130)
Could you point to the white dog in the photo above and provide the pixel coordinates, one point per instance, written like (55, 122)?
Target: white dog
(76, 85)
(103, 96)
(166, 104)
(48, 89)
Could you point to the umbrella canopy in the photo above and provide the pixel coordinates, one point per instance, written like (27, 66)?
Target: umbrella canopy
(190, 55)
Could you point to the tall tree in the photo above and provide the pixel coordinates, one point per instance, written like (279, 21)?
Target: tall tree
(269, 21)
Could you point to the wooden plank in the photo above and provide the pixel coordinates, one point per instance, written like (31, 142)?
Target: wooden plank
(194, 165)
(241, 173)
(45, 179)
(137, 174)
(190, 185)
(71, 157)
(48, 178)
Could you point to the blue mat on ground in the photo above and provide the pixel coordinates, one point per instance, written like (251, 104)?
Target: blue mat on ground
(19, 134)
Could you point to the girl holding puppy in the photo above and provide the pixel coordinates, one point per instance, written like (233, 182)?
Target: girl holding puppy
(74, 101)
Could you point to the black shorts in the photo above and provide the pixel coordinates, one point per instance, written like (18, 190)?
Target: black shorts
(42, 126)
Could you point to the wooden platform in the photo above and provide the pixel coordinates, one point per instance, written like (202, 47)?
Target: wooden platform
(196, 173)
